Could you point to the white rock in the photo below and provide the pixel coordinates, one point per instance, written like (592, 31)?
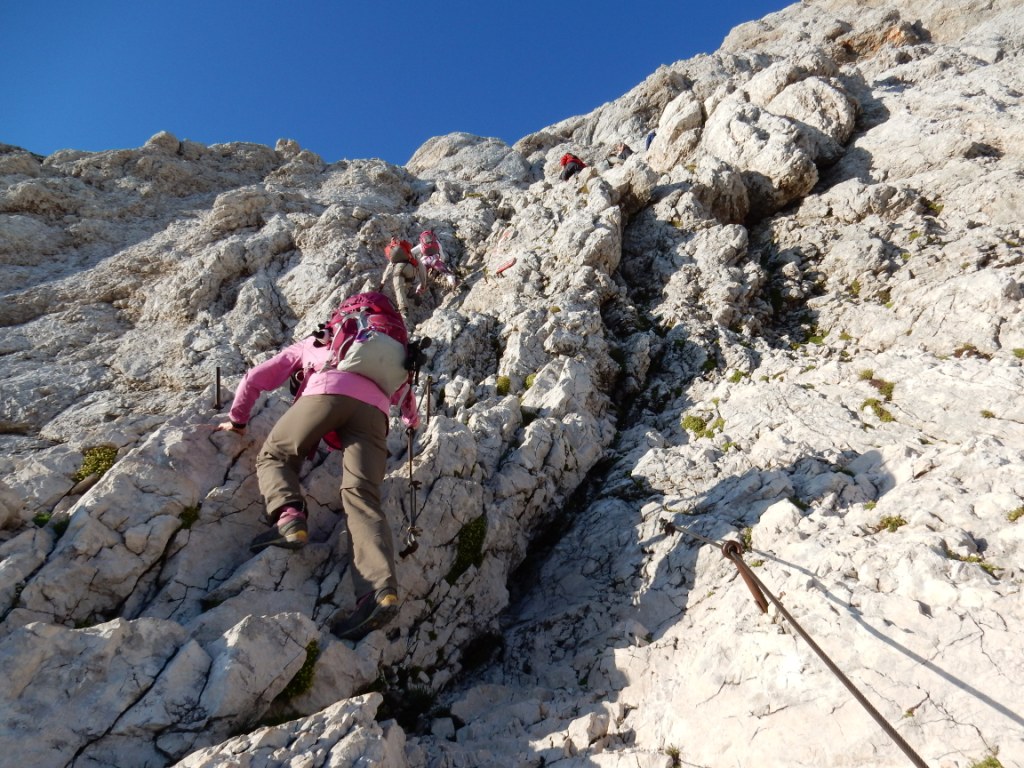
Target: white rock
(818, 257)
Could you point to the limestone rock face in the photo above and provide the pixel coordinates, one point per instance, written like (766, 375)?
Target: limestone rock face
(793, 321)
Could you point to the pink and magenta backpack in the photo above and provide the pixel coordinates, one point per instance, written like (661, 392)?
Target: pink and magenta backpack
(429, 244)
(367, 335)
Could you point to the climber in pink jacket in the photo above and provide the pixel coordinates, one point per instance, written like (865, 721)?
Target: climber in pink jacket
(350, 412)
(301, 360)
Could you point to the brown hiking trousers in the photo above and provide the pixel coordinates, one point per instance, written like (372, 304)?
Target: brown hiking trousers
(401, 275)
(362, 429)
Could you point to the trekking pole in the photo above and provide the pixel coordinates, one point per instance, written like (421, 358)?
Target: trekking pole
(216, 394)
(413, 363)
(411, 543)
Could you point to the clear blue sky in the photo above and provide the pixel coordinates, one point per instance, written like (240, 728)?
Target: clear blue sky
(344, 78)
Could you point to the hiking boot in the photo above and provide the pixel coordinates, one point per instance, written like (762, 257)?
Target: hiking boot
(291, 534)
(373, 611)
(284, 513)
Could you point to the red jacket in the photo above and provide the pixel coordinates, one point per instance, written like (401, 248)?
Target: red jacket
(568, 157)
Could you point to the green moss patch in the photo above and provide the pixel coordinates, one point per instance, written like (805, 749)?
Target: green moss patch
(470, 550)
(303, 679)
(96, 461)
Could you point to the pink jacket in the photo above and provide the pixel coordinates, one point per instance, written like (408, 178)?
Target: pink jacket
(306, 356)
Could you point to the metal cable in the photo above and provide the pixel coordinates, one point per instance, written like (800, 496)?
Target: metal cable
(733, 551)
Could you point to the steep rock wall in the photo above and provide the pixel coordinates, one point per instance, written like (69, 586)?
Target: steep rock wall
(794, 320)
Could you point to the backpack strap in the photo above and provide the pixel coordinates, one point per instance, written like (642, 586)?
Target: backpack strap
(341, 338)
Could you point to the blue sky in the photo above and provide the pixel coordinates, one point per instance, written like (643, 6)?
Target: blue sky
(345, 79)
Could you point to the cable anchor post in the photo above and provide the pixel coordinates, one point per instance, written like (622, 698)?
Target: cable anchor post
(733, 551)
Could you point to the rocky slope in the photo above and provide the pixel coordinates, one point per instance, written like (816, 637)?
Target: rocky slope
(794, 321)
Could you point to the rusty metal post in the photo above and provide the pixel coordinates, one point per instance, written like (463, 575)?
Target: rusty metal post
(733, 550)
